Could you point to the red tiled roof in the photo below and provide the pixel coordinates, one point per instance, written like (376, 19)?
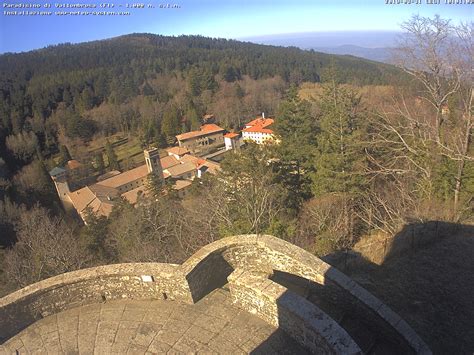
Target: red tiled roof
(73, 164)
(260, 121)
(101, 208)
(205, 129)
(81, 198)
(180, 169)
(108, 175)
(211, 127)
(168, 162)
(177, 150)
(132, 195)
(259, 125)
(125, 177)
(190, 158)
(231, 135)
(99, 198)
(212, 167)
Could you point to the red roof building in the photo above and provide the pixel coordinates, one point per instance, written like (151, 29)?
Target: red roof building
(258, 130)
(73, 164)
(210, 136)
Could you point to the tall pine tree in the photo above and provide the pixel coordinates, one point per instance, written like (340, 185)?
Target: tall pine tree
(170, 126)
(112, 157)
(340, 158)
(64, 155)
(297, 130)
(99, 163)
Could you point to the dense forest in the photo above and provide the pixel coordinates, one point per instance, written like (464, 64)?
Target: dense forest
(375, 148)
(77, 78)
(150, 85)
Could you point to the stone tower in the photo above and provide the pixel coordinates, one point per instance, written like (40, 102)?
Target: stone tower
(152, 160)
(60, 180)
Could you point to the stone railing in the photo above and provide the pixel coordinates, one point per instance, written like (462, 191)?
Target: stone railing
(132, 281)
(266, 253)
(302, 320)
(207, 269)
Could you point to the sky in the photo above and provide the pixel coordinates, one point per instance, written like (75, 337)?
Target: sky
(213, 18)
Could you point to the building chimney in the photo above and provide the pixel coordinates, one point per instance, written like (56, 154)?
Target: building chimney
(263, 115)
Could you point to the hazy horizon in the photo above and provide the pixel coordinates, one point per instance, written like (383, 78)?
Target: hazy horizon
(310, 40)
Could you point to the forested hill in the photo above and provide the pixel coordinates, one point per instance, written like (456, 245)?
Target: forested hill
(154, 53)
(153, 85)
(115, 71)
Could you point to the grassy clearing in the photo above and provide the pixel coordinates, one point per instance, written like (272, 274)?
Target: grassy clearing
(310, 91)
(375, 94)
(131, 150)
(128, 149)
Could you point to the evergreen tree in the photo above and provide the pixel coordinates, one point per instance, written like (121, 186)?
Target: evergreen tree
(86, 100)
(77, 127)
(95, 233)
(193, 119)
(147, 90)
(208, 81)
(67, 97)
(160, 188)
(248, 187)
(111, 156)
(231, 74)
(170, 126)
(64, 155)
(161, 141)
(149, 132)
(297, 130)
(340, 161)
(195, 80)
(200, 80)
(99, 163)
(239, 92)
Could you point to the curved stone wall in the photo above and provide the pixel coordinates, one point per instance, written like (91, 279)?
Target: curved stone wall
(133, 281)
(303, 321)
(267, 253)
(209, 268)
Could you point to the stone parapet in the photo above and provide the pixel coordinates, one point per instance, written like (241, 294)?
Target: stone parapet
(303, 321)
(266, 253)
(209, 268)
(94, 285)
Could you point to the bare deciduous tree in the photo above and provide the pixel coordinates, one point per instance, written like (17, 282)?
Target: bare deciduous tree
(251, 195)
(326, 224)
(424, 52)
(158, 230)
(23, 145)
(46, 247)
(416, 136)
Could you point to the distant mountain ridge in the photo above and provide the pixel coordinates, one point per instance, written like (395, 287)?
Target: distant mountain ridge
(372, 45)
(382, 54)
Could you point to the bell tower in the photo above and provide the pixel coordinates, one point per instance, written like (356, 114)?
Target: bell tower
(152, 160)
(60, 180)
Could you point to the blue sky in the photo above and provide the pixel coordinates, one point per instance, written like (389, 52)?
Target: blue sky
(224, 18)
